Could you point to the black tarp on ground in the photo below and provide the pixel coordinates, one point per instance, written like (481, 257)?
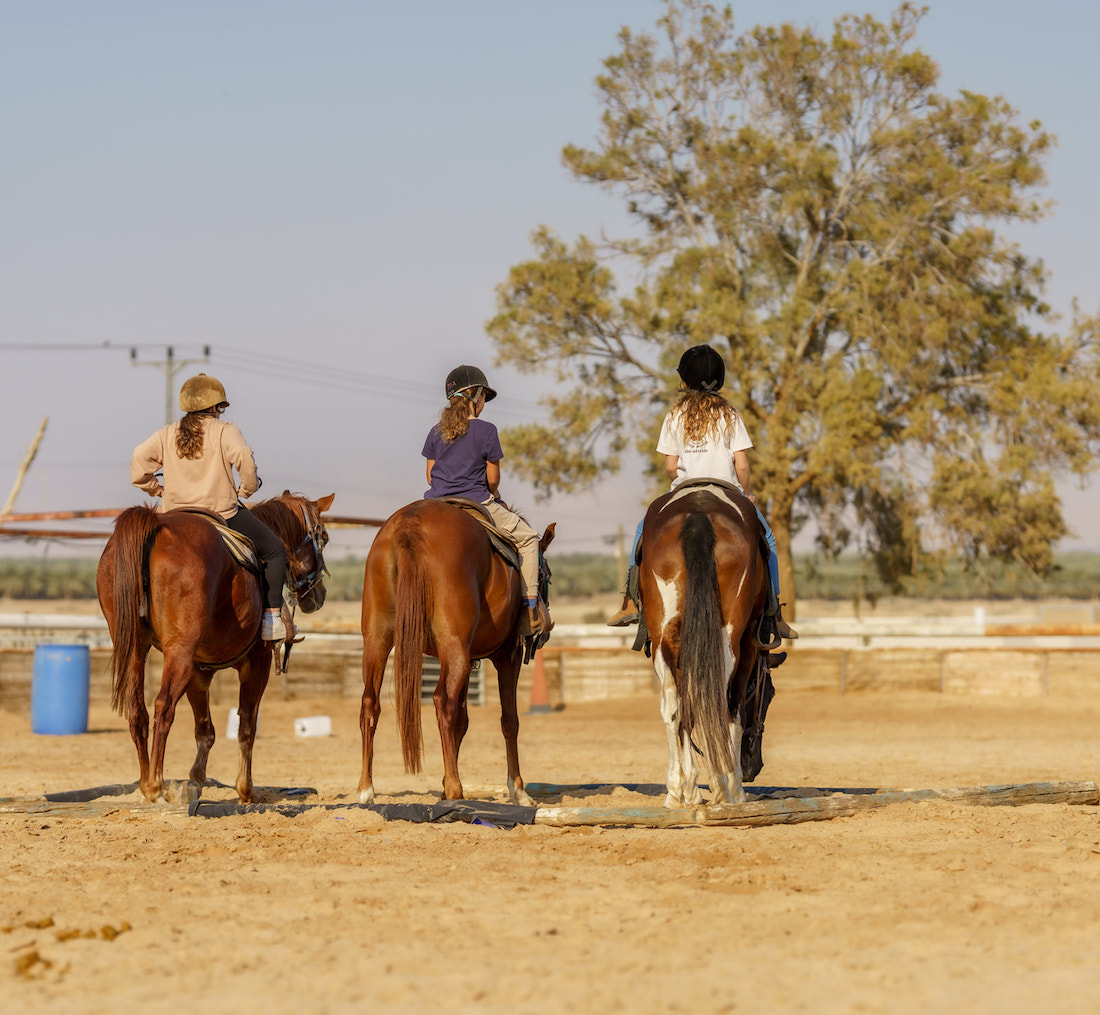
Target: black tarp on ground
(79, 796)
(480, 812)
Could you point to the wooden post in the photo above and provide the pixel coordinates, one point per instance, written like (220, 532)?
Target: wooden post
(26, 464)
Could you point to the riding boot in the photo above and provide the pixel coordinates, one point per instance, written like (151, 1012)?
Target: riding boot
(776, 659)
(628, 612)
(785, 630)
(535, 620)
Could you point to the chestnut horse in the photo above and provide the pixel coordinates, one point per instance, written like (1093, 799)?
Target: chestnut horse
(168, 581)
(434, 586)
(704, 589)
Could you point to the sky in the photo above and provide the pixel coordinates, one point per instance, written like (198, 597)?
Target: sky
(327, 195)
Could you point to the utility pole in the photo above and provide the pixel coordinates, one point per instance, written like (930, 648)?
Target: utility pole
(171, 366)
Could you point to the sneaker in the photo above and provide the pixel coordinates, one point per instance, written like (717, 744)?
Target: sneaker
(272, 627)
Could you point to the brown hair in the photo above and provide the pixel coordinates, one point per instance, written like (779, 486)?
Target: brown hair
(189, 437)
(454, 420)
(701, 412)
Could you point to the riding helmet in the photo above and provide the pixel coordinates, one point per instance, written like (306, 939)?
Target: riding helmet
(702, 369)
(462, 378)
(201, 392)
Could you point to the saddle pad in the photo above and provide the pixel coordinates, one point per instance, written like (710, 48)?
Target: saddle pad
(240, 548)
(500, 541)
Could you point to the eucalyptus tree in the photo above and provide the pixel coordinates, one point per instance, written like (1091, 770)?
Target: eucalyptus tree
(839, 229)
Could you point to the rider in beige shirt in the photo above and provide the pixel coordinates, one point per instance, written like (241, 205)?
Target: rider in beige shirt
(205, 482)
(196, 456)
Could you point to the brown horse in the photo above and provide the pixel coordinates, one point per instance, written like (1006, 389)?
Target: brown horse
(168, 581)
(434, 585)
(704, 589)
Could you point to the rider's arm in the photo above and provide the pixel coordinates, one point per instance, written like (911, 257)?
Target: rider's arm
(240, 456)
(147, 460)
(741, 470)
(672, 465)
(492, 477)
(431, 462)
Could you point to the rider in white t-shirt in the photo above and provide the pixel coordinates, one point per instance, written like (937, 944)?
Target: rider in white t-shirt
(712, 455)
(704, 436)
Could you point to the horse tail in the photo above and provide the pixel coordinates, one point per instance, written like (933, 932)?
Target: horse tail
(703, 662)
(135, 530)
(413, 608)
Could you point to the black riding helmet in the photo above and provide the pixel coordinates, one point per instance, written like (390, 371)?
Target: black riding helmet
(702, 369)
(463, 378)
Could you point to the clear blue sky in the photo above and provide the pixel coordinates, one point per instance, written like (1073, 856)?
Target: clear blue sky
(327, 195)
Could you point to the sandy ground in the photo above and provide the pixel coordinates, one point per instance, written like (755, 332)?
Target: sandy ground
(912, 908)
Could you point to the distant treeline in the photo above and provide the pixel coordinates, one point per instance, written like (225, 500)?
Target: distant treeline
(1075, 576)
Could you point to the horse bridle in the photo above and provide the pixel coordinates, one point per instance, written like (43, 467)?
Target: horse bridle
(301, 583)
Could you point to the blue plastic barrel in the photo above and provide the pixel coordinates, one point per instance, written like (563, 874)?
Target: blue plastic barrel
(59, 689)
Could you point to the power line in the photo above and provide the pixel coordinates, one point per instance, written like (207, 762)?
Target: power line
(277, 367)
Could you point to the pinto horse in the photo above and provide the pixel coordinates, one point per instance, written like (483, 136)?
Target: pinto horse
(168, 581)
(704, 589)
(433, 585)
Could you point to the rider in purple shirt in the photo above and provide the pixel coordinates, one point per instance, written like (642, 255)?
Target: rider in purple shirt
(464, 454)
(459, 469)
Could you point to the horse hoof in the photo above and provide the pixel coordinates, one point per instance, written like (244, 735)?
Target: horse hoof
(521, 798)
(189, 792)
(366, 796)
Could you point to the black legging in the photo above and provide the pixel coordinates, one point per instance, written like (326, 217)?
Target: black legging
(271, 551)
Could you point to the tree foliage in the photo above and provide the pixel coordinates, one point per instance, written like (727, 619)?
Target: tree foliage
(814, 208)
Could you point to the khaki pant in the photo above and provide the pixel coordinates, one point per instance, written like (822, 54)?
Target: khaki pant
(526, 540)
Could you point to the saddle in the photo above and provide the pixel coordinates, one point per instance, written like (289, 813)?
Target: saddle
(767, 636)
(240, 548)
(500, 541)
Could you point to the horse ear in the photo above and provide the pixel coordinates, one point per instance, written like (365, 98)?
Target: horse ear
(286, 493)
(547, 536)
(325, 502)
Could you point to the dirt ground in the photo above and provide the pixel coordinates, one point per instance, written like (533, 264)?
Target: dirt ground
(915, 907)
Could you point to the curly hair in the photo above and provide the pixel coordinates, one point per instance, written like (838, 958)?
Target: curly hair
(190, 435)
(454, 420)
(702, 411)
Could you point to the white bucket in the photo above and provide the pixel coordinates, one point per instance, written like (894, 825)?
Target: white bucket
(233, 723)
(313, 726)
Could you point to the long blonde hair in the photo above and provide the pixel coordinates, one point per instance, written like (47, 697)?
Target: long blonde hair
(702, 412)
(454, 420)
(190, 434)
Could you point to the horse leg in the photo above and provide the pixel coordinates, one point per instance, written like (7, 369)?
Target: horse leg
(254, 671)
(508, 660)
(198, 694)
(681, 780)
(174, 681)
(450, 711)
(375, 654)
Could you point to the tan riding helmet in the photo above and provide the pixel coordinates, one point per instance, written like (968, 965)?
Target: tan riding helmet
(201, 392)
